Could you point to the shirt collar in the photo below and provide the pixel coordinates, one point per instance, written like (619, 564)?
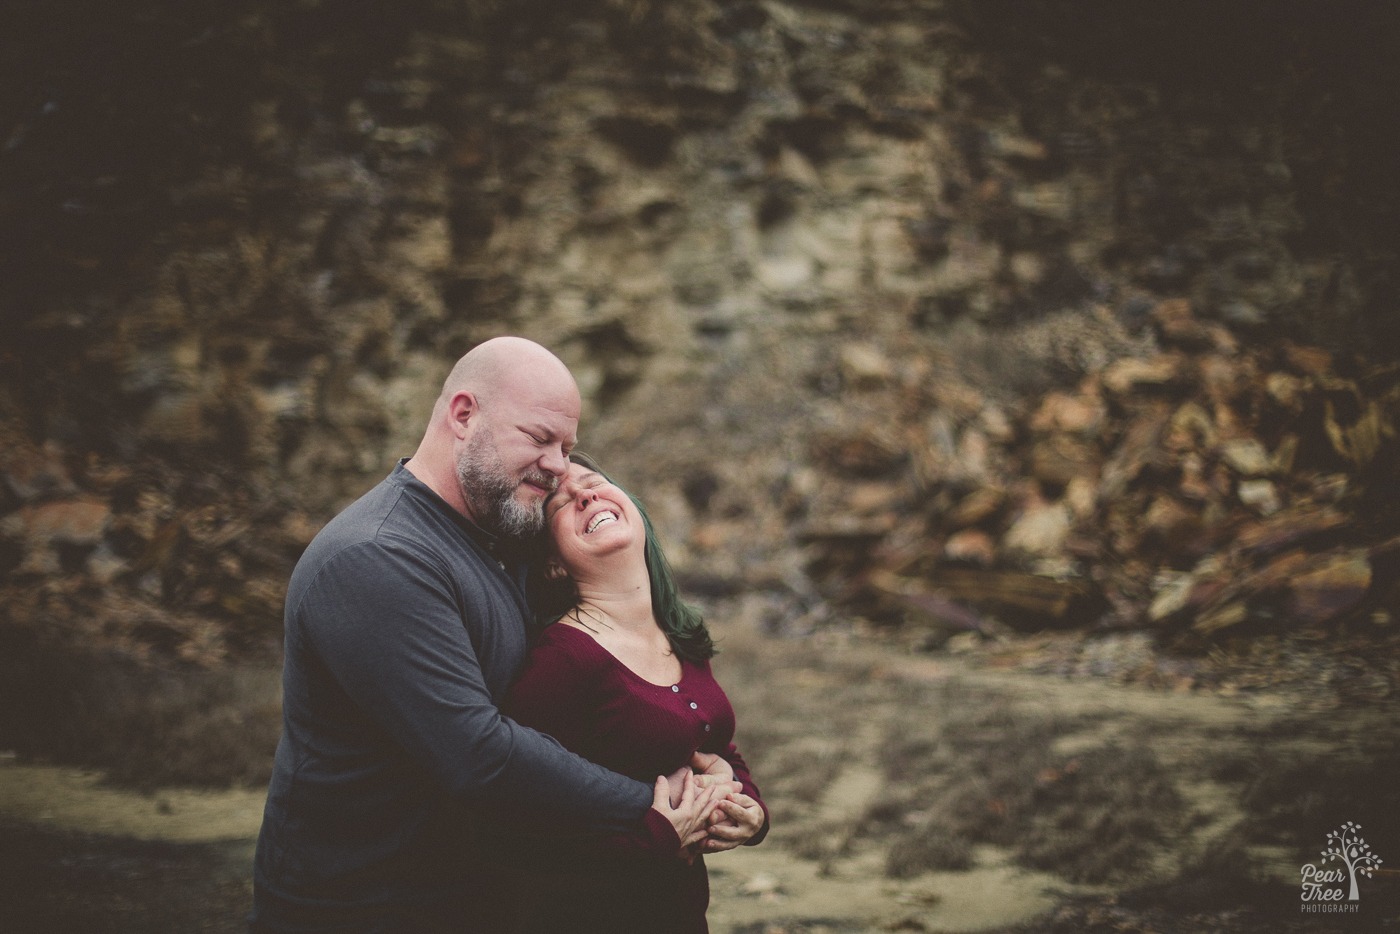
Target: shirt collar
(503, 550)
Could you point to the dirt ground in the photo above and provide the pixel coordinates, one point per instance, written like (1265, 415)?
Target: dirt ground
(979, 790)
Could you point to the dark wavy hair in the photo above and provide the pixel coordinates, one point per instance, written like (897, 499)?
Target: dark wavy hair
(683, 624)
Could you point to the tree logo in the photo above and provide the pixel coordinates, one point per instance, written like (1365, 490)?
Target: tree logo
(1344, 845)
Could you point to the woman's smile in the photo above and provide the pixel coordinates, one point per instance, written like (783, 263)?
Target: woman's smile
(602, 518)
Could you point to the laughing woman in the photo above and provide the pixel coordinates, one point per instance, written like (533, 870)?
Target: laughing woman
(622, 676)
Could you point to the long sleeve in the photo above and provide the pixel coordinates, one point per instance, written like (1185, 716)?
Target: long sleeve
(745, 779)
(388, 623)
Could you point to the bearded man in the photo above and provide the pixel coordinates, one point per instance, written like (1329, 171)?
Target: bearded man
(405, 623)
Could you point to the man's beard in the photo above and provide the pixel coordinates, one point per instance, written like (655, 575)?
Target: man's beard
(490, 490)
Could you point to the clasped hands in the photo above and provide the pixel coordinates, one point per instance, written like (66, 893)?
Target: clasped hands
(706, 806)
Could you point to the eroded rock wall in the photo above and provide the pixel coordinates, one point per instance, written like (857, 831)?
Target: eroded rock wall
(814, 264)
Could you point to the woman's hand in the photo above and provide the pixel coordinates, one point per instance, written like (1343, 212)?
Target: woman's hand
(711, 768)
(733, 821)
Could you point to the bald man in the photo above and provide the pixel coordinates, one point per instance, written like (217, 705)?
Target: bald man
(405, 623)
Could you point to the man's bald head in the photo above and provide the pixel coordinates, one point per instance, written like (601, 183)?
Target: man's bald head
(500, 433)
(507, 364)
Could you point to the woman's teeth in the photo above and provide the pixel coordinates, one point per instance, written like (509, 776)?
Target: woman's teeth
(601, 519)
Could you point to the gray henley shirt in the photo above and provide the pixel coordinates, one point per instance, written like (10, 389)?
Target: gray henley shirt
(403, 633)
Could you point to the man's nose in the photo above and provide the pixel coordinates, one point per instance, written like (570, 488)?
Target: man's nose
(555, 462)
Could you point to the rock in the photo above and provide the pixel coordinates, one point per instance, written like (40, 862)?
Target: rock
(1309, 361)
(847, 529)
(1040, 531)
(1260, 496)
(1224, 597)
(105, 565)
(1230, 613)
(762, 885)
(1359, 438)
(1060, 459)
(1005, 144)
(1138, 451)
(1050, 199)
(1170, 525)
(1131, 375)
(929, 604)
(867, 452)
(995, 423)
(1078, 414)
(1330, 587)
(1171, 597)
(1081, 496)
(1247, 457)
(1286, 390)
(784, 272)
(971, 262)
(1330, 487)
(68, 522)
(1298, 526)
(864, 366)
(1177, 325)
(977, 507)
(176, 419)
(1229, 380)
(31, 472)
(1027, 267)
(970, 546)
(1242, 314)
(49, 534)
(1023, 601)
(1191, 429)
(422, 243)
(1200, 484)
(973, 458)
(864, 499)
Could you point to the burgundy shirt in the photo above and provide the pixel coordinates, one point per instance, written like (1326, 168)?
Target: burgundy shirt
(576, 691)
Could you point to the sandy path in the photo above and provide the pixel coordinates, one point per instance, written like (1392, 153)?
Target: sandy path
(815, 720)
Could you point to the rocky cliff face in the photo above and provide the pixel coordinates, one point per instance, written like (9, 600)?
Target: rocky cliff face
(815, 266)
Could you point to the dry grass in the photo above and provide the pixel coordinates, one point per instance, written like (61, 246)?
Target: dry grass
(980, 774)
(143, 725)
(1293, 797)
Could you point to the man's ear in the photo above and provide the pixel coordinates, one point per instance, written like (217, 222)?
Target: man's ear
(460, 409)
(554, 571)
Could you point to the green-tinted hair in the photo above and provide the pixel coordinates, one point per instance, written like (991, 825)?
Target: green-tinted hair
(682, 623)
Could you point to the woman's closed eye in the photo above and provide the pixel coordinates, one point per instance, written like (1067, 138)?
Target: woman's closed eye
(554, 502)
(560, 498)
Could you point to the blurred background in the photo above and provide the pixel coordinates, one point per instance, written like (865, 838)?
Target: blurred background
(1015, 384)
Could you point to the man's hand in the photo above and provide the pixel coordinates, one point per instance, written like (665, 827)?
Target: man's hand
(732, 822)
(690, 811)
(674, 781)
